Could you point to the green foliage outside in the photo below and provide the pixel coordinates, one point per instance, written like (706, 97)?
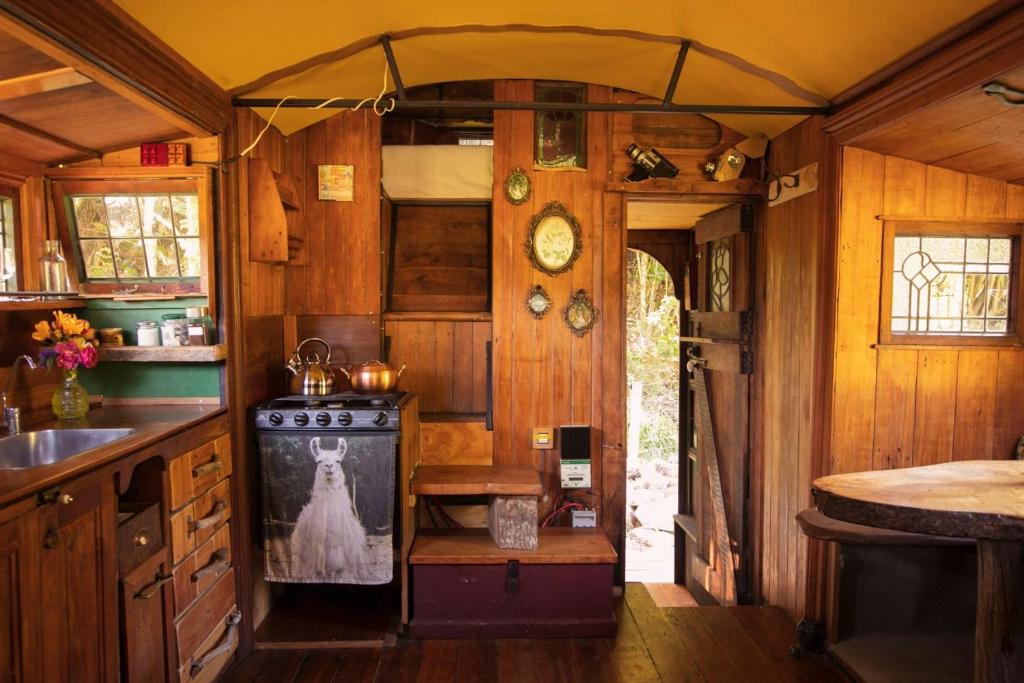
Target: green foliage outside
(652, 355)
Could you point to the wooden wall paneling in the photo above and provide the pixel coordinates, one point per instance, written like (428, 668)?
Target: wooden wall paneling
(975, 405)
(310, 282)
(463, 372)
(895, 403)
(456, 443)
(858, 283)
(947, 192)
(478, 351)
(935, 405)
(1009, 419)
(1014, 201)
(986, 198)
(353, 338)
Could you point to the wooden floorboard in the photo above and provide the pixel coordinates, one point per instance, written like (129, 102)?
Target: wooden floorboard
(654, 645)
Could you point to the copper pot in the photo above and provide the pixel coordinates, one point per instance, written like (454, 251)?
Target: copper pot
(373, 377)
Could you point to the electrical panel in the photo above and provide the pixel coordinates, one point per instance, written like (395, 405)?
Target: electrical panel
(575, 456)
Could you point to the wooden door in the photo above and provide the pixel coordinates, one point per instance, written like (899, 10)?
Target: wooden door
(19, 600)
(78, 574)
(717, 560)
(143, 619)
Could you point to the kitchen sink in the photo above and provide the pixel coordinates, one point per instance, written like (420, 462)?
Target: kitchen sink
(49, 446)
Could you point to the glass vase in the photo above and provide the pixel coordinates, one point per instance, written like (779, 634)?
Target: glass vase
(70, 399)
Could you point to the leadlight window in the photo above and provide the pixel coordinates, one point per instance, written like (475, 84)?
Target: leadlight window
(561, 135)
(136, 237)
(951, 283)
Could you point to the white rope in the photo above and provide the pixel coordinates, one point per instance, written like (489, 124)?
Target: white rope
(375, 100)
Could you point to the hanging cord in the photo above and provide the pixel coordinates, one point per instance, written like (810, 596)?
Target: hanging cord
(384, 109)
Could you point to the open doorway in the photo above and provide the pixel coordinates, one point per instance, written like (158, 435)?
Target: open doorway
(652, 417)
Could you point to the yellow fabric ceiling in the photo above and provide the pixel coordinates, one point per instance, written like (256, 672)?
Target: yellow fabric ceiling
(780, 52)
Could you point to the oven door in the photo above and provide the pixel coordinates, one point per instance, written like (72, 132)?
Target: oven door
(328, 506)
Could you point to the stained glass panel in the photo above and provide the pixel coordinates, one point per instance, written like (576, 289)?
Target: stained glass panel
(720, 275)
(561, 136)
(951, 285)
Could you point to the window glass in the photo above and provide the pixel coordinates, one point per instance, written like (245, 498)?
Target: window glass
(561, 133)
(139, 237)
(8, 252)
(951, 285)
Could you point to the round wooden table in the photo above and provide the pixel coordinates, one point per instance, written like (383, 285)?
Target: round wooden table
(979, 499)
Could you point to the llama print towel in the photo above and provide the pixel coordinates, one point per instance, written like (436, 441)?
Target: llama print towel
(328, 507)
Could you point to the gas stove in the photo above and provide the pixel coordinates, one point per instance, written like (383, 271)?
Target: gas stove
(334, 412)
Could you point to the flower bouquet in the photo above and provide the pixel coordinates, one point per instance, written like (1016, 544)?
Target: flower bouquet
(68, 342)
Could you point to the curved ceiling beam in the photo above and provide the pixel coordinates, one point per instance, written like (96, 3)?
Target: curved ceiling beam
(784, 83)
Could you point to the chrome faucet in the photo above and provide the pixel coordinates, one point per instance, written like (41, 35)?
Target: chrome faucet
(12, 416)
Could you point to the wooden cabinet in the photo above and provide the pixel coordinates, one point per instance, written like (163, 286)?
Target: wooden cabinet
(19, 592)
(143, 621)
(78, 582)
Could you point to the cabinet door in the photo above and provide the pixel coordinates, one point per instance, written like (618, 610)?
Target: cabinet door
(19, 591)
(143, 612)
(79, 582)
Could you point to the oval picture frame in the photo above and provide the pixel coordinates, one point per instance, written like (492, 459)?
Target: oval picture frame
(555, 239)
(538, 302)
(579, 314)
(517, 186)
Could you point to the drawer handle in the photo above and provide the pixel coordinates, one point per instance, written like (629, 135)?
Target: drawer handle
(218, 562)
(212, 519)
(225, 645)
(152, 589)
(212, 466)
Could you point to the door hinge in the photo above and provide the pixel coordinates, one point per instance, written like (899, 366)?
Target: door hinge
(512, 577)
(746, 323)
(746, 363)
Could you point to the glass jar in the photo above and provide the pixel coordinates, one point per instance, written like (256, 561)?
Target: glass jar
(174, 329)
(148, 333)
(200, 326)
(53, 269)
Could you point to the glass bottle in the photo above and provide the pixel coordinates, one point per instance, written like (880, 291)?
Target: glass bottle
(53, 269)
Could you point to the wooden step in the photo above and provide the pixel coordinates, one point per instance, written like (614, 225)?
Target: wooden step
(467, 480)
(560, 545)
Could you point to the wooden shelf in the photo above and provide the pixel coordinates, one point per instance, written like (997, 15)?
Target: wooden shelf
(446, 316)
(165, 354)
(463, 480)
(42, 305)
(559, 545)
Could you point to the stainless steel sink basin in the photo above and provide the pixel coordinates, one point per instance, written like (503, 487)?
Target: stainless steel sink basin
(49, 446)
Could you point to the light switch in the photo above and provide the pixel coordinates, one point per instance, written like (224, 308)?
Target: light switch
(543, 438)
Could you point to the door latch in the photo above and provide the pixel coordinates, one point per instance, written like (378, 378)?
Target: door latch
(512, 577)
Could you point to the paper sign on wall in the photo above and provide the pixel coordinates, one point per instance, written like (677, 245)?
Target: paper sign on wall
(335, 182)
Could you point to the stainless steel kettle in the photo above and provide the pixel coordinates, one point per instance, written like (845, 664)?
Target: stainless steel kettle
(310, 375)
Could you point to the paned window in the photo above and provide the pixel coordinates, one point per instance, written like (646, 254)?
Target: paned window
(8, 246)
(957, 284)
(137, 237)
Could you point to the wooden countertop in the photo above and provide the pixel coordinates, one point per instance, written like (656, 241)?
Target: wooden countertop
(153, 423)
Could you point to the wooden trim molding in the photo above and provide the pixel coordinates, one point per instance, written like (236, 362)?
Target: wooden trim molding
(105, 44)
(972, 61)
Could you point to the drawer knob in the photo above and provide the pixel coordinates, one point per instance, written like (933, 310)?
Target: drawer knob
(66, 499)
(51, 539)
(141, 539)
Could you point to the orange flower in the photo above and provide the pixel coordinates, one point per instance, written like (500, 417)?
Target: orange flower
(42, 332)
(69, 323)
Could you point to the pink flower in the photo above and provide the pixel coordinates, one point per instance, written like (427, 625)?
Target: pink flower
(88, 356)
(67, 355)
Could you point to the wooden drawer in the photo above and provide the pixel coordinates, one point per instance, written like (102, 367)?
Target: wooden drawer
(140, 534)
(201, 569)
(142, 621)
(196, 471)
(213, 653)
(197, 521)
(204, 616)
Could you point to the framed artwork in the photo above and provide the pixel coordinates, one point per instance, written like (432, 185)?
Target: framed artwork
(555, 240)
(517, 186)
(580, 314)
(538, 303)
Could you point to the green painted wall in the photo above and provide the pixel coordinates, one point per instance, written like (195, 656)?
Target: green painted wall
(138, 380)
